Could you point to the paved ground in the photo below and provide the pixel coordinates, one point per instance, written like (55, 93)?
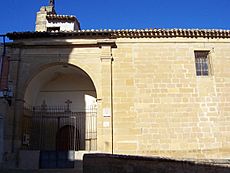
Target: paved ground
(40, 171)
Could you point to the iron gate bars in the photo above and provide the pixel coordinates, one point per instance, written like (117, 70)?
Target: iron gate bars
(54, 128)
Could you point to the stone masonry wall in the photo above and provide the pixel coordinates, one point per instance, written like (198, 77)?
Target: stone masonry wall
(159, 106)
(162, 108)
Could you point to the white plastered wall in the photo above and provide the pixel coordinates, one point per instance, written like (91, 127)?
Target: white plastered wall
(64, 26)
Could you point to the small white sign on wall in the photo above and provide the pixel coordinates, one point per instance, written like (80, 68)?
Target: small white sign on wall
(106, 124)
(106, 112)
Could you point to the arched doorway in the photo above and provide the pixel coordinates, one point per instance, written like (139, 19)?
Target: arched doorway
(60, 112)
(65, 136)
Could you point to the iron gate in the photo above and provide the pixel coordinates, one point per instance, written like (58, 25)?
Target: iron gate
(55, 130)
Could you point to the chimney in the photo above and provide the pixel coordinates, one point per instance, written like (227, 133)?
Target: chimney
(47, 20)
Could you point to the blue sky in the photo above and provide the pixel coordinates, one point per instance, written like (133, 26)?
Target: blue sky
(19, 15)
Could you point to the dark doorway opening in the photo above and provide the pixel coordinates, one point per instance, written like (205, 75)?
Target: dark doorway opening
(67, 139)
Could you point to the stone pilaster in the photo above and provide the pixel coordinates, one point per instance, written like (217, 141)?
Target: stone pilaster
(105, 132)
(3, 114)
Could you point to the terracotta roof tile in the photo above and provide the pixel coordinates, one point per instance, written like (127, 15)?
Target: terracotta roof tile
(127, 33)
(61, 17)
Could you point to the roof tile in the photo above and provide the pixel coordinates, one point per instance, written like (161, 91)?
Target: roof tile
(127, 33)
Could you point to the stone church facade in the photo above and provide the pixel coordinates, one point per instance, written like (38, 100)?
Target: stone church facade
(154, 92)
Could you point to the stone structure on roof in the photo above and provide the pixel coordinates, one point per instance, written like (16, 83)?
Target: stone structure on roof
(48, 20)
(52, 3)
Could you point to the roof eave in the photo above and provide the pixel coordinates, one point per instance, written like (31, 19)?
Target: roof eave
(148, 33)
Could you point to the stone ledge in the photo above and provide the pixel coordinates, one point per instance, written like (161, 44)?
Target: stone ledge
(95, 163)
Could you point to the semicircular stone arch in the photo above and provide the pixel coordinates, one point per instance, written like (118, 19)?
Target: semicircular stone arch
(56, 83)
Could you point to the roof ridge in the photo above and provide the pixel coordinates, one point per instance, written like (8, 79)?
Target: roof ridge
(60, 15)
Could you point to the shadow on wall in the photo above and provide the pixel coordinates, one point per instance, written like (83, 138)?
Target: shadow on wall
(107, 163)
(61, 96)
(1, 138)
(44, 77)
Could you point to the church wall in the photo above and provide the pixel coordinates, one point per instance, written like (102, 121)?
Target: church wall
(3, 116)
(1, 137)
(161, 107)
